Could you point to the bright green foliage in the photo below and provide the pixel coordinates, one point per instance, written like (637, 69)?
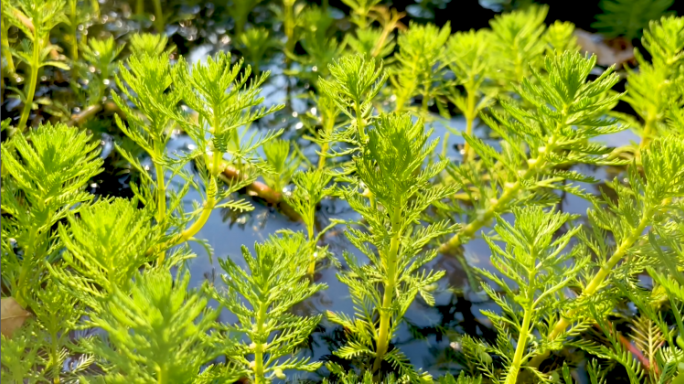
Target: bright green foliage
(325, 115)
(101, 54)
(276, 280)
(361, 10)
(20, 356)
(648, 200)
(653, 90)
(369, 42)
(34, 50)
(255, 44)
(320, 45)
(559, 37)
(420, 64)
(146, 84)
(538, 263)
(311, 188)
(156, 332)
(47, 171)
(80, 266)
(391, 167)
(283, 164)
(670, 276)
(39, 349)
(469, 58)
(568, 111)
(628, 17)
(225, 100)
(154, 45)
(354, 82)
(105, 245)
(461, 379)
(148, 80)
(517, 44)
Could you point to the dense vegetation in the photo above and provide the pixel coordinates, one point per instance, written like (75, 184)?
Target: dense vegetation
(95, 288)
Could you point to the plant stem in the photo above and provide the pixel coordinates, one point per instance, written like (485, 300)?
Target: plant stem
(595, 283)
(56, 368)
(30, 89)
(74, 31)
(161, 193)
(161, 377)
(96, 8)
(323, 156)
(259, 348)
(646, 135)
(312, 245)
(426, 100)
(516, 364)
(158, 17)
(5, 49)
(390, 262)
(469, 114)
(360, 122)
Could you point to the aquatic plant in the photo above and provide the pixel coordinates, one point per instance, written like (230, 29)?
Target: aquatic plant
(97, 288)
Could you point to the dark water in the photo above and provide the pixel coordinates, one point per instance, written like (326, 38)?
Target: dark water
(424, 339)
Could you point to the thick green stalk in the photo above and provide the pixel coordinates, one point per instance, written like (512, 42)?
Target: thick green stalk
(426, 99)
(209, 204)
(207, 208)
(162, 377)
(259, 347)
(360, 122)
(30, 89)
(54, 352)
(646, 135)
(161, 193)
(390, 260)
(323, 156)
(563, 323)
(312, 245)
(516, 364)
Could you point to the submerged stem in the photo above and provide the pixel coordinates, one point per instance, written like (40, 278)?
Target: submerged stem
(5, 49)
(158, 17)
(30, 89)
